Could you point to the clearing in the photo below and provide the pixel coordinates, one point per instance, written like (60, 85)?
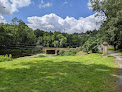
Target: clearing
(86, 73)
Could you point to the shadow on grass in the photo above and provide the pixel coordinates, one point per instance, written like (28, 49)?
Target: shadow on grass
(49, 76)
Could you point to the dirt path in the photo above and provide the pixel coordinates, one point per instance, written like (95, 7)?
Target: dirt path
(119, 58)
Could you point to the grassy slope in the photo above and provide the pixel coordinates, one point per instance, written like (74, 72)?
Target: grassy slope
(87, 73)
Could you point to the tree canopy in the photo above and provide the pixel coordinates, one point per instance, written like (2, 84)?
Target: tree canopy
(111, 29)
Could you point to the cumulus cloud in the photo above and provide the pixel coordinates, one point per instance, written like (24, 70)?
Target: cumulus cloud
(8, 7)
(70, 25)
(2, 20)
(44, 5)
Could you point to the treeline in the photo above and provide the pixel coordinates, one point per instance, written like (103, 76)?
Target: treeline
(57, 39)
(18, 38)
(18, 35)
(15, 37)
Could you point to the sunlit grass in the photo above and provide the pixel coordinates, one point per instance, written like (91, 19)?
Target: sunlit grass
(86, 73)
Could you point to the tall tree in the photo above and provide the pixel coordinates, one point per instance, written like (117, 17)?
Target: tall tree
(113, 25)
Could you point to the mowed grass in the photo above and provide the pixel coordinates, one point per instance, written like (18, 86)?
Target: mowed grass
(87, 73)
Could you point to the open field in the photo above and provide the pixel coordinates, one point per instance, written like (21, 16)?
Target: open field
(86, 73)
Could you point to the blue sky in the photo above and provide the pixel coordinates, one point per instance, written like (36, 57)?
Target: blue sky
(62, 8)
(51, 15)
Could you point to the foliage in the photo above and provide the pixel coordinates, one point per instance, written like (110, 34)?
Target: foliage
(89, 73)
(61, 52)
(62, 40)
(91, 44)
(56, 43)
(111, 28)
(17, 38)
(58, 39)
(68, 53)
(37, 49)
(5, 57)
(21, 52)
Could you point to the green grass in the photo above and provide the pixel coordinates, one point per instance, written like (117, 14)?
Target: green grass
(117, 51)
(86, 73)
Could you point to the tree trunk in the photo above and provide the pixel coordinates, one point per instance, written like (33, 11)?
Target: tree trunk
(114, 47)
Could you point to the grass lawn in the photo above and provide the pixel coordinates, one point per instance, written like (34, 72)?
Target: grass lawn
(117, 51)
(87, 73)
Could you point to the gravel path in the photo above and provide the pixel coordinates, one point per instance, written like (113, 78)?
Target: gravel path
(119, 58)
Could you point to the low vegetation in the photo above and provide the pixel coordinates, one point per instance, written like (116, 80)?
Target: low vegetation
(117, 51)
(5, 57)
(68, 53)
(89, 73)
(91, 45)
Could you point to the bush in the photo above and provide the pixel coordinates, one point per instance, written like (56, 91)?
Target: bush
(61, 52)
(5, 57)
(37, 49)
(11, 51)
(68, 53)
(91, 44)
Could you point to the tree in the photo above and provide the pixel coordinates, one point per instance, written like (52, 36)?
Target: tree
(47, 41)
(91, 44)
(56, 44)
(113, 25)
(40, 41)
(62, 40)
(2, 37)
(76, 40)
(14, 20)
(108, 7)
(38, 32)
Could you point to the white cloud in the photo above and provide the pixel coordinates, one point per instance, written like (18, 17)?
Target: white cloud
(21, 3)
(44, 5)
(52, 22)
(8, 7)
(2, 20)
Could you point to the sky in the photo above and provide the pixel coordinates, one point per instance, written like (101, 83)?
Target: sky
(70, 16)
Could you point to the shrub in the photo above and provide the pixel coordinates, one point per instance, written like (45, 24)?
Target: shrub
(61, 52)
(37, 49)
(11, 51)
(5, 57)
(91, 44)
(68, 53)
